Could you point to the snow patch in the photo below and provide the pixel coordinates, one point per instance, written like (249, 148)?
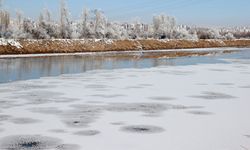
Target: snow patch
(108, 41)
(11, 42)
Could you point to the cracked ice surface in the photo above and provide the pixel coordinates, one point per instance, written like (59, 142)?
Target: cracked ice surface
(176, 107)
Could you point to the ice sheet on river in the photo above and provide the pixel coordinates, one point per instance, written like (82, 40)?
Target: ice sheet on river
(197, 107)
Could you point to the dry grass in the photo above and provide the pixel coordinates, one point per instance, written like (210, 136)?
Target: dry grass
(71, 46)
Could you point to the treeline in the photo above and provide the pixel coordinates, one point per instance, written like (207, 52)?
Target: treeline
(94, 25)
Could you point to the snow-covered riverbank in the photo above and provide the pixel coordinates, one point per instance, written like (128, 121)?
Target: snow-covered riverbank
(169, 107)
(160, 53)
(75, 46)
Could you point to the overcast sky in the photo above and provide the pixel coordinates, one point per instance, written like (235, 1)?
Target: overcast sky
(192, 12)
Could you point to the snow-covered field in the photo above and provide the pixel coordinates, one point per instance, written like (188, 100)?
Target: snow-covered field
(194, 107)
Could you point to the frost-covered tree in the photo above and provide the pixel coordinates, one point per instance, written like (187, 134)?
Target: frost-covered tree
(76, 30)
(85, 31)
(17, 26)
(208, 33)
(164, 26)
(94, 24)
(138, 28)
(65, 30)
(115, 31)
(28, 30)
(99, 24)
(46, 27)
(42, 28)
(183, 32)
(229, 36)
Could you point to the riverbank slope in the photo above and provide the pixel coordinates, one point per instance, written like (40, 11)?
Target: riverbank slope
(74, 46)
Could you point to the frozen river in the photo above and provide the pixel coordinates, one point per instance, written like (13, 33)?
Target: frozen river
(109, 103)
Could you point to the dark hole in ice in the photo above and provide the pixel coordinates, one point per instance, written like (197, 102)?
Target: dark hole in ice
(142, 129)
(83, 123)
(29, 142)
(81, 115)
(76, 122)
